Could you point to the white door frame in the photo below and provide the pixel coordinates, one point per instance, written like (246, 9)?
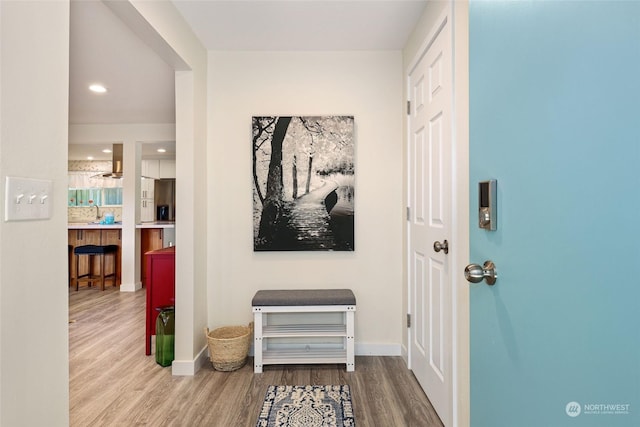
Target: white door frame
(457, 14)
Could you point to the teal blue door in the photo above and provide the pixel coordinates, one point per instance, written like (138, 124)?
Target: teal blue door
(555, 118)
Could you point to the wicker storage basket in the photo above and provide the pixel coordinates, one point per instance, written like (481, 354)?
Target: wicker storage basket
(229, 346)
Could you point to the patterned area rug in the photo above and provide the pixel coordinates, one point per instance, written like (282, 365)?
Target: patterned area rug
(307, 406)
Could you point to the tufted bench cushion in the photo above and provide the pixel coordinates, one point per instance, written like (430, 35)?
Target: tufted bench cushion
(301, 297)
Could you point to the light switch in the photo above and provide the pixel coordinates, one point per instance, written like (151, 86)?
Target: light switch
(27, 199)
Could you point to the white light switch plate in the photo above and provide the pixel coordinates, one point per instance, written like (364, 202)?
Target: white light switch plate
(27, 199)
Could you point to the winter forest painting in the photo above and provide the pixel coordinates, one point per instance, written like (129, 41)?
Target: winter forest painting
(303, 183)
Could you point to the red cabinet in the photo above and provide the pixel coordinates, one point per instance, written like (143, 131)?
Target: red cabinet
(150, 240)
(160, 283)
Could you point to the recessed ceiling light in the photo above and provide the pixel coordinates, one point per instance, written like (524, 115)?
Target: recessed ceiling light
(97, 88)
(161, 150)
(89, 157)
(106, 150)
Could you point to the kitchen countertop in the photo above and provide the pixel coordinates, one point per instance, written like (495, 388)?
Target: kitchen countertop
(118, 225)
(157, 224)
(92, 225)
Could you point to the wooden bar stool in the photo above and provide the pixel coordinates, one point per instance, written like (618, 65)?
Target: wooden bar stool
(91, 251)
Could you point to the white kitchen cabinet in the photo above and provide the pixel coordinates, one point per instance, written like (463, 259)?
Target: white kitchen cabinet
(158, 169)
(147, 188)
(167, 169)
(147, 200)
(147, 210)
(150, 168)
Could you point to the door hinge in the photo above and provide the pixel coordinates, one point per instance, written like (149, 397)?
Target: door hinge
(408, 320)
(408, 108)
(408, 213)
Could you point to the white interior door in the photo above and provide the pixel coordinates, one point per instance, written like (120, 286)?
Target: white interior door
(430, 207)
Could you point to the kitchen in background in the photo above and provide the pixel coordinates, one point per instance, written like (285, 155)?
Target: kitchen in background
(158, 190)
(95, 190)
(90, 194)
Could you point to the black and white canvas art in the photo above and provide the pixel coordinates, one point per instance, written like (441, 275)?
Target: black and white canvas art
(303, 183)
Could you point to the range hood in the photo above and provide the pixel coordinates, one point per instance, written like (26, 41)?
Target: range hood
(116, 162)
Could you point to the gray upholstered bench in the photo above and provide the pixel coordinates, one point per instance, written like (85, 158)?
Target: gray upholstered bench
(310, 301)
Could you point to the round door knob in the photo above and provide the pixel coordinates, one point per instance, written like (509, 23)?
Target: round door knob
(444, 246)
(475, 273)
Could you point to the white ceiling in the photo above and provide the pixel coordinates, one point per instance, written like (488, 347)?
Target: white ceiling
(102, 49)
(141, 85)
(301, 24)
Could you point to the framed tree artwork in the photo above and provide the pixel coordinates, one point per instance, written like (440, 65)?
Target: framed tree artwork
(303, 183)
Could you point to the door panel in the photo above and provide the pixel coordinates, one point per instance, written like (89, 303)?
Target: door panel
(436, 312)
(554, 118)
(436, 179)
(430, 203)
(418, 192)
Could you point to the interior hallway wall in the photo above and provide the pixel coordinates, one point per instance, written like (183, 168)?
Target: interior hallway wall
(367, 85)
(34, 374)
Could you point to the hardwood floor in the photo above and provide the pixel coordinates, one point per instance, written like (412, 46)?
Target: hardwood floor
(113, 383)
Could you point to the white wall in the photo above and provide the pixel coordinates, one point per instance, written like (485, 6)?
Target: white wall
(34, 88)
(367, 85)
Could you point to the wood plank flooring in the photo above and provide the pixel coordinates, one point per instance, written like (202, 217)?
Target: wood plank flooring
(113, 383)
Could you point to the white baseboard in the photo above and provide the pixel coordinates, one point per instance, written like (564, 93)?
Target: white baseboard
(130, 287)
(190, 367)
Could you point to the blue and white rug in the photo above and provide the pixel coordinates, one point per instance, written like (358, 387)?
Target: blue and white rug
(307, 406)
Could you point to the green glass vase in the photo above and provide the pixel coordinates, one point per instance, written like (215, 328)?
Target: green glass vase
(165, 335)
